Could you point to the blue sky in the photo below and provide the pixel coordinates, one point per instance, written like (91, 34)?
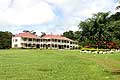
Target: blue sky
(50, 16)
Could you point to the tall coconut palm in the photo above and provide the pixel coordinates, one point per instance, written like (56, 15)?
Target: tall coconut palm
(95, 29)
(118, 7)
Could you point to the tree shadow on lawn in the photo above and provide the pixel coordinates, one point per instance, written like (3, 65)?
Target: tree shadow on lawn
(44, 70)
(114, 72)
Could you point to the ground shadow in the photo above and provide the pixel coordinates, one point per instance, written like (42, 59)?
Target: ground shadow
(44, 70)
(115, 72)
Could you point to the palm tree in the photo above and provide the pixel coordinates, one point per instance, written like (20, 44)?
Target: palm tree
(118, 7)
(95, 29)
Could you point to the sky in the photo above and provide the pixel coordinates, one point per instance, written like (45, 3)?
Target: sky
(49, 16)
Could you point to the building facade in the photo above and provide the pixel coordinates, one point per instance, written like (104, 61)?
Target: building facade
(29, 40)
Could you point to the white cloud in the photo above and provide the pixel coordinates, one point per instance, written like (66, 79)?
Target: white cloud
(4, 4)
(82, 9)
(97, 6)
(41, 12)
(27, 12)
(57, 2)
(86, 7)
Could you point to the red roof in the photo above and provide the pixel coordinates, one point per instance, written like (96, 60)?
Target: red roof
(50, 36)
(26, 35)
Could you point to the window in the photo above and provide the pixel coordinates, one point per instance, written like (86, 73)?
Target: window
(15, 40)
(58, 40)
(48, 40)
(29, 45)
(67, 46)
(30, 39)
(34, 39)
(55, 40)
(15, 45)
(38, 40)
(41, 40)
(24, 39)
(52, 40)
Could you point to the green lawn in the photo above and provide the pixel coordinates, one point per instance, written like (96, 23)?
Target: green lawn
(27, 64)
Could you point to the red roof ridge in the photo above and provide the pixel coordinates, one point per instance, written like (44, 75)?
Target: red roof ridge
(51, 36)
(47, 36)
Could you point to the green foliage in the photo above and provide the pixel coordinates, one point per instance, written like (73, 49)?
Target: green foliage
(115, 17)
(100, 30)
(69, 34)
(115, 29)
(72, 35)
(43, 34)
(118, 7)
(32, 31)
(5, 40)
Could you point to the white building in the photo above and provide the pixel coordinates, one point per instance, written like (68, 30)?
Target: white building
(29, 40)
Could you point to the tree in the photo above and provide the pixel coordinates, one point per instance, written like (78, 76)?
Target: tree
(43, 34)
(69, 34)
(5, 40)
(115, 27)
(77, 35)
(95, 30)
(32, 32)
(26, 31)
(118, 7)
(115, 17)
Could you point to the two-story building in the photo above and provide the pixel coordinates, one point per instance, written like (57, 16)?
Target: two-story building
(29, 40)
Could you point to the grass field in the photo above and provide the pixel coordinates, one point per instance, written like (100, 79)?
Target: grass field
(57, 65)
